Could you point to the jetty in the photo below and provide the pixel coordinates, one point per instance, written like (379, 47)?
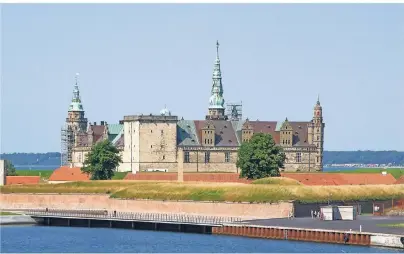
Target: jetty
(297, 229)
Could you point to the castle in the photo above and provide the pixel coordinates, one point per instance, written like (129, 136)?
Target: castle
(158, 142)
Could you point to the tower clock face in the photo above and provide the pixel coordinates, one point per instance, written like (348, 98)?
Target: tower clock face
(318, 113)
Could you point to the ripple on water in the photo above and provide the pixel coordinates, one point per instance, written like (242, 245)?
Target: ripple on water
(42, 239)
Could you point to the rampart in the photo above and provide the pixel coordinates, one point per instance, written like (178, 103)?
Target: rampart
(92, 201)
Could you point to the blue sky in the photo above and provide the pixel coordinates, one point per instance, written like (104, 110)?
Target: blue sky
(134, 59)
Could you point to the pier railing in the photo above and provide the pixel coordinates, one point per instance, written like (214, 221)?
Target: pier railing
(133, 216)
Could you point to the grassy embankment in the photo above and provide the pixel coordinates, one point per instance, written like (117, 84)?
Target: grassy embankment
(45, 174)
(398, 225)
(396, 172)
(277, 180)
(216, 191)
(6, 213)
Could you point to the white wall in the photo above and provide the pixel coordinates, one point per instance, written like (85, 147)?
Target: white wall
(387, 241)
(2, 173)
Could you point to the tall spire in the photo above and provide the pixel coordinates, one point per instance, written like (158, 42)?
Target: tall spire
(318, 99)
(216, 100)
(217, 49)
(76, 105)
(217, 74)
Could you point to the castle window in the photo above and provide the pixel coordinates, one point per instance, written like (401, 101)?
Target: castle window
(227, 157)
(298, 157)
(207, 157)
(318, 138)
(186, 157)
(162, 132)
(151, 131)
(164, 157)
(151, 146)
(318, 159)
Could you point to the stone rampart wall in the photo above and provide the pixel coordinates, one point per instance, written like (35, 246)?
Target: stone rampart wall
(92, 201)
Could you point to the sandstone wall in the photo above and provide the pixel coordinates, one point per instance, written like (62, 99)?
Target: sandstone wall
(76, 201)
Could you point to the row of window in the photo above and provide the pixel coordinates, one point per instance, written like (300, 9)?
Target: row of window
(299, 158)
(151, 131)
(207, 157)
(208, 141)
(286, 142)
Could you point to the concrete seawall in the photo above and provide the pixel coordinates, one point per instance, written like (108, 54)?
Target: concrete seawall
(16, 220)
(245, 211)
(386, 240)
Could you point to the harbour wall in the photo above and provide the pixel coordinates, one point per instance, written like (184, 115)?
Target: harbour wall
(16, 220)
(245, 211)
(385, 240)
(312, 235)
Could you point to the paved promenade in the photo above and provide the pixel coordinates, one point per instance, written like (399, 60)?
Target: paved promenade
(369, 224)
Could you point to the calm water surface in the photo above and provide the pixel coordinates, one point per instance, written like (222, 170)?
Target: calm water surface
(68, 239)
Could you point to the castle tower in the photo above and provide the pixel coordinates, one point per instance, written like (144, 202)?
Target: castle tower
(75, 116)
(318, 133)
(216, 100)
(75, 123)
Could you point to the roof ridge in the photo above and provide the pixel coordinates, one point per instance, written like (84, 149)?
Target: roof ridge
(118, 136)
(194, 132)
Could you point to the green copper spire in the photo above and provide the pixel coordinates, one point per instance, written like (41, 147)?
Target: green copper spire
(217, 74)
(216, 101)
(76, 105)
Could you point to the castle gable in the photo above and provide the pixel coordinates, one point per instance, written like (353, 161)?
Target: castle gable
(82, 139)
(98, 132)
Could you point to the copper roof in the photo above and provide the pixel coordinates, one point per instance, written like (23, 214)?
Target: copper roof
(66, 173)
(12, 180)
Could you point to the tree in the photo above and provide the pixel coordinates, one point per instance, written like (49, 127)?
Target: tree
(9, 168)
(260, 157)
(101, 161)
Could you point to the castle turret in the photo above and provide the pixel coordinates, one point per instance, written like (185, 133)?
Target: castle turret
(216, 100)
(76, 124)
(75, 116)
(318, 132)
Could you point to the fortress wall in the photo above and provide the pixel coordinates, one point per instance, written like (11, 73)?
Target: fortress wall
(90, 201)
